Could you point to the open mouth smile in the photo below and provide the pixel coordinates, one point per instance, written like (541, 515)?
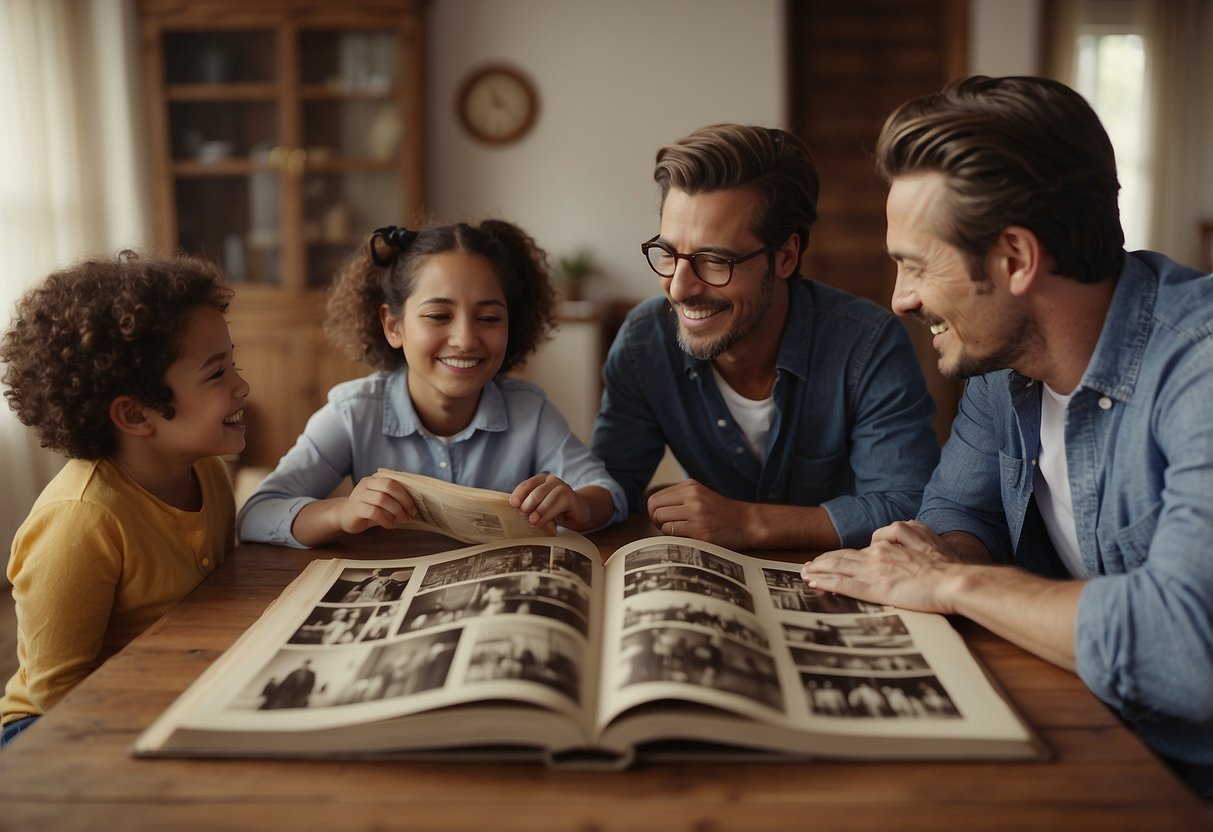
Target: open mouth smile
(236, 419)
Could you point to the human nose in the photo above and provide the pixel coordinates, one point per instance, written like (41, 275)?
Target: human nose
(684, 283)
(462, 333)
(242, 386)
(905, 298)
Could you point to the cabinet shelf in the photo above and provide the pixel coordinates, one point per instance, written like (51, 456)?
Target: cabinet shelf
(282, 132)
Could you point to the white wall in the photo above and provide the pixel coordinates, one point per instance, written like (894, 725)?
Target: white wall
(1004, 37)
(616, 81)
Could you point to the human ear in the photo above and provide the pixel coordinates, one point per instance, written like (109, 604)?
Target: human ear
(1019, 256)
(787, 256)
(391, 327)
(129, 415)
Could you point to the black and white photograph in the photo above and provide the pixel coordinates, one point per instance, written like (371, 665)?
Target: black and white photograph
(571, 562)
(489, 564)
(361, 586)
(790, 592)
(332, 625)
(528, 593)
(686, 579)
(868, 697)
(701, 612)
(679, 654)
(880, 631)
(324, 679)
(528, 652)
(686, 555)
(865, 662)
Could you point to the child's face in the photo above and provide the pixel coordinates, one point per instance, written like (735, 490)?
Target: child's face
(453, 330)
(208, 393)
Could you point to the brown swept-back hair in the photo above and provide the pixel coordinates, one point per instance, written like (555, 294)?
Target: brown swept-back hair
(98, 330)
(773, 162)
(1014, 151)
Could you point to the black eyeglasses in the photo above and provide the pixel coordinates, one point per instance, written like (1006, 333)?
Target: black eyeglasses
(712, 269)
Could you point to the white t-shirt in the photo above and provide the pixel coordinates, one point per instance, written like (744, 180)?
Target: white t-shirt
(753, 417)
(1054, 501)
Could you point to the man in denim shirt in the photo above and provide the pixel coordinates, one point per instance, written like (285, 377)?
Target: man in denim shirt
(1083, 449)
(799, 412)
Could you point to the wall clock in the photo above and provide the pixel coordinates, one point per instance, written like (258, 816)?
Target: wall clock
(497, 104)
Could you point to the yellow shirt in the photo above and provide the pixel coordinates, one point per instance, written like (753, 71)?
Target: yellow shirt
(97, 561)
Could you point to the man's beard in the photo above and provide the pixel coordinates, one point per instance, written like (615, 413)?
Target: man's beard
(740, 329)
(1026, 338)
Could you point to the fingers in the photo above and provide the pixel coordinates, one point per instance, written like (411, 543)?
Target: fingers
(377, 501)
(545, 498)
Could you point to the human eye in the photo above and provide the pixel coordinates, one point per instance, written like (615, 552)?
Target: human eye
(711, 264)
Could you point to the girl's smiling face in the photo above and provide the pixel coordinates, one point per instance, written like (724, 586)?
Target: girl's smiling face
(453, 330)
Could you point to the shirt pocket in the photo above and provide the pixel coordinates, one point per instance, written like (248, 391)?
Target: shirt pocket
(813, 481)
(1127, 547)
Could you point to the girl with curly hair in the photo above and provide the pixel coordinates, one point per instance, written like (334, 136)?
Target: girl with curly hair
(442, 313)
(126, 367)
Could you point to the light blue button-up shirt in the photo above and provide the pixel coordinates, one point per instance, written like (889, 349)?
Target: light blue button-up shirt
(1139, 446)
(852, 427)
(370, 423)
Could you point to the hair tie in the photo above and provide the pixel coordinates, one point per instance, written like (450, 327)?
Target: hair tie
(396, 236)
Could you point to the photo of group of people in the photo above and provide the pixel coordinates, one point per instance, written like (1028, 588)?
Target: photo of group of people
(699, 613)
(313, 678)
(790, 592)
(872, 631)
(530, 652)
(366, 586)
(861, 662)
(528, 593)
(666, 553)
(707, 636)
(345, 625)
(672, 578)
(510, 559)
(683, 654)
(878, 697)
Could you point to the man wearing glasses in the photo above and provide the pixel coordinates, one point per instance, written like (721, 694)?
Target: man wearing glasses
(798, 412)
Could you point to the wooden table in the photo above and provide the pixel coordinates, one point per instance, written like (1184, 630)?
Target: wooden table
(72, 769)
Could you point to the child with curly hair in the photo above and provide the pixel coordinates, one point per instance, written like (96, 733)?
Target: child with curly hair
(443, 314)
(125, 366)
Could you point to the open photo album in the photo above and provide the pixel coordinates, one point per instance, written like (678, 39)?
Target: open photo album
(535, 648)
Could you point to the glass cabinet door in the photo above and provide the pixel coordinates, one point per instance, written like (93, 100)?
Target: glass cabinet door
(223, 117)
(351, 123)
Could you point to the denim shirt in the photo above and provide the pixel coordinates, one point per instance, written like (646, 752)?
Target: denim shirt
(1139, 446)
(852, 427)
(371, 423)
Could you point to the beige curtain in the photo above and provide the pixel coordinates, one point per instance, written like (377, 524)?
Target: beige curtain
(1179, 78)
(1179, 93)
(72, 180)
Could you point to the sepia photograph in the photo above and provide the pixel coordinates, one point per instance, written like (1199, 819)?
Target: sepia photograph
(920, 697)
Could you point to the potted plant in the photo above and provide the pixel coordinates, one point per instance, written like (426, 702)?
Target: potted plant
(573, 271)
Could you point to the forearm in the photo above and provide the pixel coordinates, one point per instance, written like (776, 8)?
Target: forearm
(318, 522)
(789, 527)
(1038, 614)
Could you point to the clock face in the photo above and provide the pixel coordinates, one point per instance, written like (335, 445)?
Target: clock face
(497, 105)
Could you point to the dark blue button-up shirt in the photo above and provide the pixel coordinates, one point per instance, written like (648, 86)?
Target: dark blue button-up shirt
(852, 427)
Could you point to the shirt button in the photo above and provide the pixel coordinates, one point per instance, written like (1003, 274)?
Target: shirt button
(1033, 463)
(721, 423)
(694, 375)
(206, 561)
(740, 450)
(1105, 403)
(442, 464)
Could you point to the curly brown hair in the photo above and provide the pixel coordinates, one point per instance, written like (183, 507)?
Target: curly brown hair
(362, 287)
(98, 330)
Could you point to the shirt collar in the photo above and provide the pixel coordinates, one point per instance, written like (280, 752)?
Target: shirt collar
(1116, 362)
(400, 416)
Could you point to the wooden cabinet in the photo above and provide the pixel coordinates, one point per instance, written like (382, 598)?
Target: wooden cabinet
(282, 132)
